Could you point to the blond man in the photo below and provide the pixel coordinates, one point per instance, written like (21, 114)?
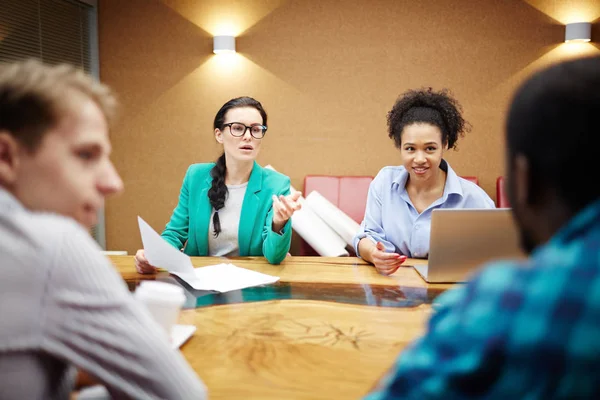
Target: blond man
(63, 306)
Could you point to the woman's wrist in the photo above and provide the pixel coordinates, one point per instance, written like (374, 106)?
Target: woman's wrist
(277, 226)
(365, 249)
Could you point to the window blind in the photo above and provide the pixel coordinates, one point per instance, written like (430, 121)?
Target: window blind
(54, 31)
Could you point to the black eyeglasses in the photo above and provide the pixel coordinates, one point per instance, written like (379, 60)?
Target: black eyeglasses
(238, 129)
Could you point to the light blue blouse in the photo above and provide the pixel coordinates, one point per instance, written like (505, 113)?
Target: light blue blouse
(391, 218)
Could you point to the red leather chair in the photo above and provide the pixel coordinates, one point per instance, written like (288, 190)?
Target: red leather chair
(327, 186)
(353, 196)
(473, 179)
(501, 198)
(348, 193)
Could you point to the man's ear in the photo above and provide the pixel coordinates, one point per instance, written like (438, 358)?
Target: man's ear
(219, 135)
(521, 175)
(9, 159)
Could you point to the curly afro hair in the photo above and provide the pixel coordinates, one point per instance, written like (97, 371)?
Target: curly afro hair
(428, 106)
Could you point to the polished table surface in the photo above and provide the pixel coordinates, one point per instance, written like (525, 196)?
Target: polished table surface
(328, 329)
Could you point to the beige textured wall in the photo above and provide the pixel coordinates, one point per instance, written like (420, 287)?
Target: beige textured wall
(327, 72)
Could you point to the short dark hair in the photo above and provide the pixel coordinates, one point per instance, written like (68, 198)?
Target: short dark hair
(425, 105)
(34, 96)
(554, 122)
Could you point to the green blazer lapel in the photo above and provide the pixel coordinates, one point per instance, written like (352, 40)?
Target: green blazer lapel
(249, 210)
(204, 211)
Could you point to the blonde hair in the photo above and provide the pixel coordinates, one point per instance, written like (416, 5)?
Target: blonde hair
(34, 97)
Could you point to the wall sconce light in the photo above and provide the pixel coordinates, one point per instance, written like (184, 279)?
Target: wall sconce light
(223, 44)
(578, 32)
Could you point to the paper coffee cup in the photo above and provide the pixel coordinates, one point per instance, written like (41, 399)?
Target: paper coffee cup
(163, 300)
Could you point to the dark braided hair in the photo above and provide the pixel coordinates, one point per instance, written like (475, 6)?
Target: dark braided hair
(427, 106)
(217, 193)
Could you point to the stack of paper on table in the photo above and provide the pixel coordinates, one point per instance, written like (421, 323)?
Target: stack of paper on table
(220, 278)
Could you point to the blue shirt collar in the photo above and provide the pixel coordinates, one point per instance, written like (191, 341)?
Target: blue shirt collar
(453, 185)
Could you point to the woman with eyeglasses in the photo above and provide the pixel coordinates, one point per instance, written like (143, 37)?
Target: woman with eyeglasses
(233, 207)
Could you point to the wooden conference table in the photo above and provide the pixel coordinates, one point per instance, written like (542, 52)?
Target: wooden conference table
(329, 329)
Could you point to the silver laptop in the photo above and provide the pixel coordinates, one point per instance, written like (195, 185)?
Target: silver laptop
(463, 239)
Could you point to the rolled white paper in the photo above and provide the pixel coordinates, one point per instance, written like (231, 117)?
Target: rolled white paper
(338, 220)
(317, 233)
(320, 236)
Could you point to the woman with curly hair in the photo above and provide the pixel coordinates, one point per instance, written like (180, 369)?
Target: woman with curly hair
(234, 206)
(424, 124)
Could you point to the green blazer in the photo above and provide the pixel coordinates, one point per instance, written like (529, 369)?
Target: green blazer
(191, 218)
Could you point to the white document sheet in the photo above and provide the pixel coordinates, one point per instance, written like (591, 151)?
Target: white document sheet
(226, 277)
(161, 254)
(220, 277)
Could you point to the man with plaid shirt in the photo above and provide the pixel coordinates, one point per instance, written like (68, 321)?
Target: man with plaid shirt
(528, 329)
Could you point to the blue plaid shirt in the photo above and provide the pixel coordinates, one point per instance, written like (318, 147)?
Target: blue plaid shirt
(514, 332)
